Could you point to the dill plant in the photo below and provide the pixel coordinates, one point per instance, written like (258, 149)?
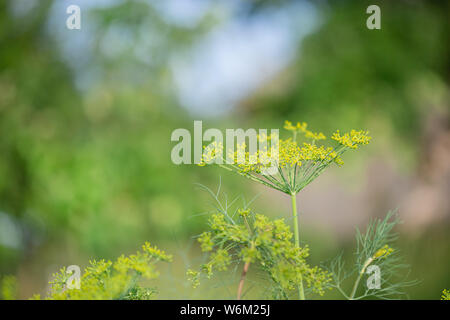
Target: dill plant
(111, 280)
(373, 248)
(239, 234)
(298, 160)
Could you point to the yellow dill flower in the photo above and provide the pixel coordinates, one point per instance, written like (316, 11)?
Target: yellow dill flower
(445, 295)
(264, 137)
(383, 252)
(302, 127)
(314, 135)
(208, 269)
(289, 153)
(193, 277)
(156, 253)
(288, 126)
(352, 139)
(217, 222)
(211, 153)
(206, 241)
(221, 259)
(299, 127)
(290, 165)
(250, 254)
(201, 163)
(244, 212)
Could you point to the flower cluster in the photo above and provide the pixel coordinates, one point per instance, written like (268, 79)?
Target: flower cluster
(445, 295)
(211, 153)
(108, 280)
(352, 139)
(156, 253)
(254, 238)
(302, 128)
(288, 165)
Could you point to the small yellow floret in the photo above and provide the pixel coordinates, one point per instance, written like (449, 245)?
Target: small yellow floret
(383, 252)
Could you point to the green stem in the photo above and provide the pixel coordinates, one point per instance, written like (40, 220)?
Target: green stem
(355, 286)
(294, 214)
(301, 292)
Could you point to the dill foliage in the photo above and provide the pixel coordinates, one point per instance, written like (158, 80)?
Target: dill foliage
(373, 248)
(243, 236)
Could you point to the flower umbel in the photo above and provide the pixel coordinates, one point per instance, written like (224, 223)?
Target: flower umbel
(294, 164)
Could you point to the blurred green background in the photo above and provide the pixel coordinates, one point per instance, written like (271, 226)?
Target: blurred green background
(86, 118)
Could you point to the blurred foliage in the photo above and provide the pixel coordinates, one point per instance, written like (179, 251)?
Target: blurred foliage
(92, 166)
(8, 286)
(445, 295)
(349, 75)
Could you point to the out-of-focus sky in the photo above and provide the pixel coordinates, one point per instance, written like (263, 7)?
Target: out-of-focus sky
(224, 66)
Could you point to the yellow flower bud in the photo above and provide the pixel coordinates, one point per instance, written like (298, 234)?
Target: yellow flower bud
(383, 252)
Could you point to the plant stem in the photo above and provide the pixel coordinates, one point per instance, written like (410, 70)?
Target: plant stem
(294, 214)
(355, 286)
(301, 292)
(241, 283)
